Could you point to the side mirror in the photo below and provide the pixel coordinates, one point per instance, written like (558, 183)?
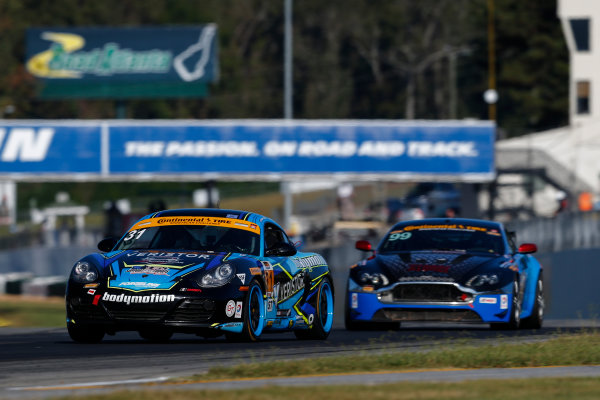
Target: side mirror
(107, 244)
(364, 245)
(527, 248)
(282, 250)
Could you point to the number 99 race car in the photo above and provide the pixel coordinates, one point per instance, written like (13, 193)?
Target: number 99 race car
(456, 270)
(203, 271)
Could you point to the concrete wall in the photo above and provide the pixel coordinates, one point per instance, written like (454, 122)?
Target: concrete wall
(571, 277)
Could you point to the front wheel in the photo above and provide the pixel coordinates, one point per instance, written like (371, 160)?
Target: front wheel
(253, 316)
(85, 334)
(323, 320)
(537, 313)
(515, 311)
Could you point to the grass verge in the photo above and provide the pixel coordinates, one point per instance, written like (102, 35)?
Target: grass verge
(526, 389)
(23, 311)
(577, 349)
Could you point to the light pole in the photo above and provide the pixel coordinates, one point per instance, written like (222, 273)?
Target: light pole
(287, 106)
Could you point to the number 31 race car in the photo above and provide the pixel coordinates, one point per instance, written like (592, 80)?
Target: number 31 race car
(203, 271)
(456, 270)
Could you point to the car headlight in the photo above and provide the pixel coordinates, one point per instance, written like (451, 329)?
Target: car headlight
(218, 276)
(481, 280)
(375, 279)
(84, 272)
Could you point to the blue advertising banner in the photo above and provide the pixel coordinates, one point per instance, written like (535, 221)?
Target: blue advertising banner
(49, 148)
(177, 54)
(251, 149)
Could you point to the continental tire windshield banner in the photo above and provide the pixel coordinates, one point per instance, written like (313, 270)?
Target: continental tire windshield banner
(248, 149)
(95, 62)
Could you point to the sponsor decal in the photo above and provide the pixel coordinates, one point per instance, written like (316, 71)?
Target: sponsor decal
(488, 300)
(354, 300)
(238, 309)
(206, 221)
(309, 262)
(255, 271)
(503, 301)
(290, 288)
(269, 305)
(91, 285)
(234, 216)
(230, 308)
(442, 269)
(96, 299)
(231, 325)
(149, 285)
(189, 290)
(455, 227)
(150, 271)
(284, 313)
(91, 291)
(164, 258)
(269, 324)
(128, 299)
(242, 277)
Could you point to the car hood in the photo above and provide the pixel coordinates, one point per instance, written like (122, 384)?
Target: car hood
(436, 266)
(145, 270)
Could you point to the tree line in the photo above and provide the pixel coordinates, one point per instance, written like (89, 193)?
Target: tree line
(356, 59)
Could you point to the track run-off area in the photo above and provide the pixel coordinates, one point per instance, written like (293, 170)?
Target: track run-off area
(37, 362)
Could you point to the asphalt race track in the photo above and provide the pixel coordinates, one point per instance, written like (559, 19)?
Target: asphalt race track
(40, 358)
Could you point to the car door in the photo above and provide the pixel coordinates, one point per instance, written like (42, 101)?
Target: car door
(288, 279)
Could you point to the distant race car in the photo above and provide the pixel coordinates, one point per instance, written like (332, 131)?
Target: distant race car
(203, 271)
(457, 270)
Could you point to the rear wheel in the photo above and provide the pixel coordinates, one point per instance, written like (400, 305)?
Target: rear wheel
(537, 313)
(323, 320)
(85, 333)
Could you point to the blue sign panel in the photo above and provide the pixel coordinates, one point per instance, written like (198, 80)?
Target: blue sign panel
(249, 149)
(176, 54)
(51, 148)
(318, 147)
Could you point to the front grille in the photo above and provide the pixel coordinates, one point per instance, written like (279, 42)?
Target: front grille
(137, 315)
(88, 311)
(429, 293)
(193, 310)
(446, 315)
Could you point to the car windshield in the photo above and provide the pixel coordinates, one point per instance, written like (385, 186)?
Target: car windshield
(443, 238)
(192, 237)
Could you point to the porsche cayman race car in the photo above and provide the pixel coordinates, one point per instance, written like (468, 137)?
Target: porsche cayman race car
(456, 270)
(203, 271)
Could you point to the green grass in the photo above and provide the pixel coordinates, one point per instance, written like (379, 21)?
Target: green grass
(21, 311)
(526, 389)
(579, 349)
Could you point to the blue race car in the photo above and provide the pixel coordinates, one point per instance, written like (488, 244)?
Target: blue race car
(456, 270)
(203, 271)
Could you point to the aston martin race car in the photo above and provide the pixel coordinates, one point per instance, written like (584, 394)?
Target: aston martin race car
(456, 270)
(203, 271)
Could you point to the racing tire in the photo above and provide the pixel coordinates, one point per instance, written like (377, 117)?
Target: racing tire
(537, 312)
(352, 325)
(515, 311)
(85, 333)
(156, 335)
(253, 316)
(323, 319)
